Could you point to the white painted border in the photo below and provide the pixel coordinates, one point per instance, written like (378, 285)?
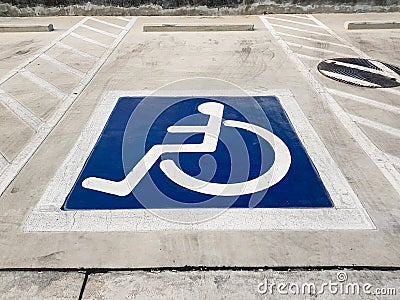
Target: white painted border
(347, 212)
(377, 156)
(12, 169)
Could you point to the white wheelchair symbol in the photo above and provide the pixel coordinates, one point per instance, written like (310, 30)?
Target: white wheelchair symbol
(211, 132)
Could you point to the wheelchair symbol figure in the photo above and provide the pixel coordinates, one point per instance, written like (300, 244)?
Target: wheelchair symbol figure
(211, 132)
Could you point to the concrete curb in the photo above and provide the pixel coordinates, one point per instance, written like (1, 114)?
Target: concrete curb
(197, 27)
(351, 25)
(26, 28)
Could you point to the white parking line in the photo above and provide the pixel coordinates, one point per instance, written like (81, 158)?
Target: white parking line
(315, 49)
(63, 66)
(29, 60)
(376, 155)
(294, 22)
(12, 170)
(3, 163)
(20, 110)
(338, 37)
(74, 50)
(367, 101)
(395, 160)
(43, 84)
(106, 23)
(376, 125)
(301, 30)
(312, 40)
(295, 16)
(89, 40)
(123, 19)
(386, 70)
(99, 31)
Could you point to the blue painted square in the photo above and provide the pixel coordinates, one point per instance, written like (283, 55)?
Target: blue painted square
(300, 188)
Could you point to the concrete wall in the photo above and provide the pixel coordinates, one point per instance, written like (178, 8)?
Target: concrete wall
(189, 7)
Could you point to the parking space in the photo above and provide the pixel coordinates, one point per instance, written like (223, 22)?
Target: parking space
(57, 107)
(303, 179)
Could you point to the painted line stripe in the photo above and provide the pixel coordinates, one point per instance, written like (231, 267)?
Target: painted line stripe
(375, 154)
(123, 19)
(316, 49)
(12, 170)
(394, 159)
(308, 57)
(294, 22)
(312, 40)
(295, 16)
(389, 72)
(349, 79)
(3, 162)
(31, 59)
(367, 101)
(89, 40)
(74, 50)
(63, 66)
(354, 66)
(99, 31)
(106, 23)
(20, 110)
(43, 84)
(301, 30)
(339, 38)
(376, 125)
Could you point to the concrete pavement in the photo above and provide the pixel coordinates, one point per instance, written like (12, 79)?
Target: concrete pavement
(47, 101)
(197, 284)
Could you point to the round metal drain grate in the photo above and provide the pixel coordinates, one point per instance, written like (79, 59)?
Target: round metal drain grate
(361, 72)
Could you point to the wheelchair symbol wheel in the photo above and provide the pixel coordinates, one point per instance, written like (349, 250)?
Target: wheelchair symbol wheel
(211, 132)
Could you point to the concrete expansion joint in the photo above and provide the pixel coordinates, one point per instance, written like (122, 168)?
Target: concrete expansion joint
(99, 283)
(85, 280)
(90, 271)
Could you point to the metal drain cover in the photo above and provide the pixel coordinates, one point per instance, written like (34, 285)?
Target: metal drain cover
(361, 72)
